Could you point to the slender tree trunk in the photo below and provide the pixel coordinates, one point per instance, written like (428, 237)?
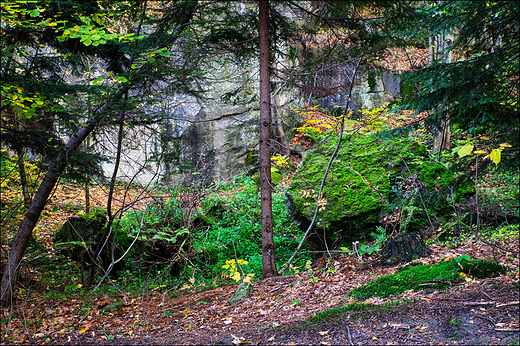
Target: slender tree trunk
(268, 260)
(441, 140)
(33, 214)
(108, 227)
(23, 179)
(278, 128)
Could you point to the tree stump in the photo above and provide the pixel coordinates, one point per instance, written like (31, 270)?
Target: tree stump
(403, 248)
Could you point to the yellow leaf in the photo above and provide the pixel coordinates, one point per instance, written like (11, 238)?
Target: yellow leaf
(192, 280)
(465, 150)
(495, 156)
(236, 276)
(480, 152)
(247, 279)
(505, 145)
(83, 329)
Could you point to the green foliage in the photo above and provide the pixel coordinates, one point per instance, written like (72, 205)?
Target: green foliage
(416, 276)
(458, 87)
(379, 236)
(234, 225)
(226, 224)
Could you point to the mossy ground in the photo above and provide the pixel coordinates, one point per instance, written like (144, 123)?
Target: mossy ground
(352, 307)
(416, 276)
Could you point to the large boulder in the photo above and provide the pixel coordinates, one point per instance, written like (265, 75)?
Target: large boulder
(372, 182)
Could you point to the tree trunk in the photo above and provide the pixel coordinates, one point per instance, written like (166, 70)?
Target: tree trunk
(102, 242)
(403, 248)
(23, 179)
(438, 47)
(278, 128)
(33, 214)
(268, 260)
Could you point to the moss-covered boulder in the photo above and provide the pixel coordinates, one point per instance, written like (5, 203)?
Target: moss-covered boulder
(371, 182)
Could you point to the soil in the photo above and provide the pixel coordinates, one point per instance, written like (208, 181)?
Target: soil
(477, 312)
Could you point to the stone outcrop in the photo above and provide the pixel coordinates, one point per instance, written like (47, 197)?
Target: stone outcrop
(372, 182)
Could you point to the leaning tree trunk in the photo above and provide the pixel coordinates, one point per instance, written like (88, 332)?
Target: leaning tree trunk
(268, 260)
(33, 214)
(403, 248)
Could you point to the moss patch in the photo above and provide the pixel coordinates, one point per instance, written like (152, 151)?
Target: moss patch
(356, 307)
(416, 276)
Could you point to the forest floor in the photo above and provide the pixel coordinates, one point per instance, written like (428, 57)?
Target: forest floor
(477, 312)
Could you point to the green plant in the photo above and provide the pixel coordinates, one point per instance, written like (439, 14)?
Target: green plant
(379, 236)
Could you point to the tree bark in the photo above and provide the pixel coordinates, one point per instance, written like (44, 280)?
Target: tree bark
(33, 214)
(268, 260)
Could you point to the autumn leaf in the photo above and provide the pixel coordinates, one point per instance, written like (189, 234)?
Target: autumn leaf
(83, 329)
(495, 156)
(236, 276)
(465, 150)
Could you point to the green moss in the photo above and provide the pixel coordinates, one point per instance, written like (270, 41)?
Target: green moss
(417, 275)
(357, 307)
(329, 313)
(353, 207)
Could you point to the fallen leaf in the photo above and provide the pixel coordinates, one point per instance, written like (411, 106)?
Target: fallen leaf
(83, 329)
(324, 332)
(374, 338)
(270, 339)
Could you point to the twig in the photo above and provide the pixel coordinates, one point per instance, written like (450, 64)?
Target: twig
(478, 303)
(455, 299)
(349, 336)
(508, 304)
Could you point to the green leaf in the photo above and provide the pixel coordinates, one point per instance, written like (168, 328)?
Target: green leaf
(35, 13)
(465, 150)
(87, 42)
(276, 177)
(97, 81)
